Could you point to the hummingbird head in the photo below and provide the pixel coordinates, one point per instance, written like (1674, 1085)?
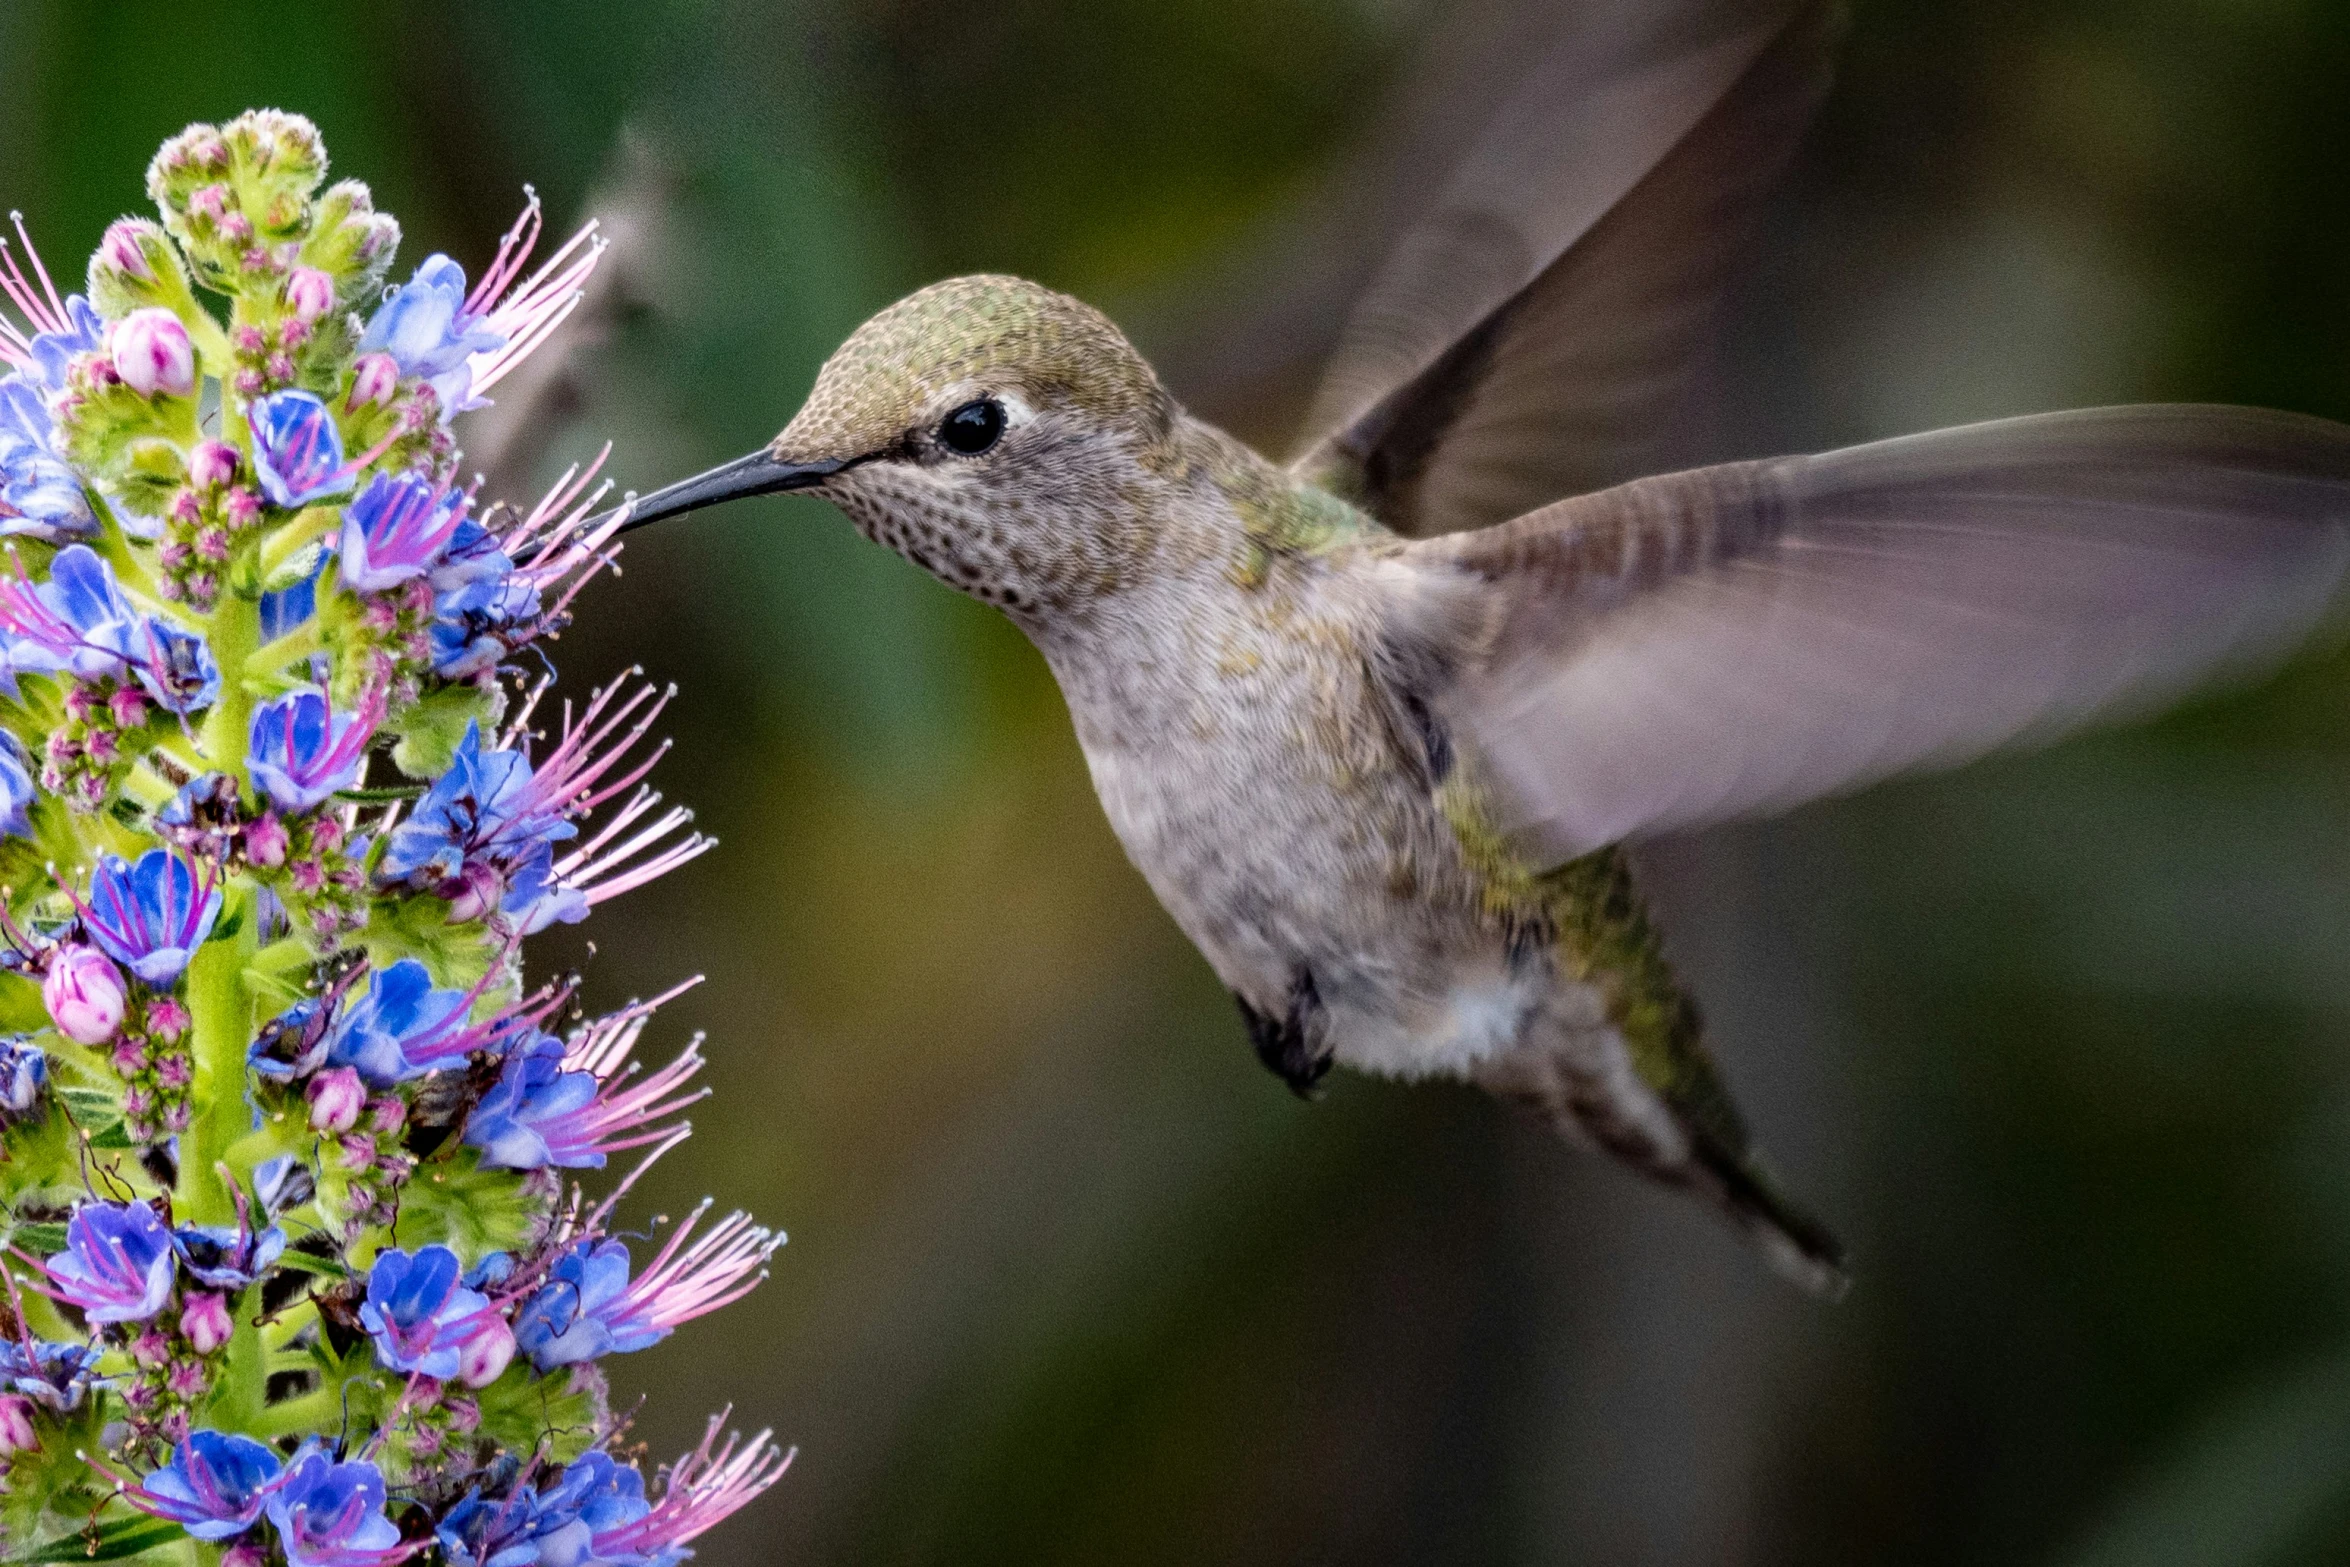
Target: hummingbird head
(1003, 437)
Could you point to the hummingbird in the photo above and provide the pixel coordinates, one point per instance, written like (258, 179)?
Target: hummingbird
(1378, 722)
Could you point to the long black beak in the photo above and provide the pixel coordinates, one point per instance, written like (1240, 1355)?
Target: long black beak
(758, 474)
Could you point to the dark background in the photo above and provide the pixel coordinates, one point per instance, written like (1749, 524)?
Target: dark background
(2060, 1044)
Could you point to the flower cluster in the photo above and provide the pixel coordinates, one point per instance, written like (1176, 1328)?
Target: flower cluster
(277, 810)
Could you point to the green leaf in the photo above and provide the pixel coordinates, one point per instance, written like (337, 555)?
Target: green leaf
(38, 1238)
(111, 1135)
(114, 1540)
(304, 1262)
(468, 1208)
(433, 726)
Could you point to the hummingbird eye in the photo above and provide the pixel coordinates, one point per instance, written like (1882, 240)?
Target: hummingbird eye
(973, 428)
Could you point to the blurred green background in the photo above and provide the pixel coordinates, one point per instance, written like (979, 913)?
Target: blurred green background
(2062, 1044)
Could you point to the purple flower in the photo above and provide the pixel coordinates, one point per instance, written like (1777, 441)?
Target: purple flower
(520, 1122)
(590, 1307)
(572, 1105)
(227, 1257)
(288, 608)
(40, 494)
(483, 831)
(401, 1027)
(24, 1072)
(425, 327)
(77, 621)
(595, 1496)
(117, 1263)
(50, 1374)
(597, 1513)
(174, 667)
(152, 915)
(16, 788)
(332, 1515)
(398, 529)
(419, 1314)
(294, 1043)
(482, 605)
(300, 753)
(215, 1486)
(483, 806)
(297, 449)
(482, 1533)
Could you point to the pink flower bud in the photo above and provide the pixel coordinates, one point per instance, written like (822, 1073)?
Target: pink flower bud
(84, 994)
(150, 1348)
(310, 293)
(213, 465)
(209, 202)
(485, 1356)
(186, 1378)
(204, 1322)
(336, 1098)
(373, 380)
(152, 353)
(245, 1554)
(242, 506)
(120, 251)
(127, 706)
(16, 1425)
(167, 1020)
(265, 843)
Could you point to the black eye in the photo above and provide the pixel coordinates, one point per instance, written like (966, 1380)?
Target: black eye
(974, 427)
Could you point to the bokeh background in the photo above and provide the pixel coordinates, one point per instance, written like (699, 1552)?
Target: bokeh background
(2062, 1044)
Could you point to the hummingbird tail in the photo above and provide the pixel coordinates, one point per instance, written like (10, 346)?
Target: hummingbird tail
(1797, 1246)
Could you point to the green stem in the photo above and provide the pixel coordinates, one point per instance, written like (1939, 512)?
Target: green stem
(221, 1019)
(235, 634)
(312, 1411)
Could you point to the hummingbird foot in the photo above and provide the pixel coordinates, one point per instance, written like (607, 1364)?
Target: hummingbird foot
(1294, 1046)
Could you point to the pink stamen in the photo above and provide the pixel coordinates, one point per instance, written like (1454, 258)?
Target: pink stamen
(39, 306)
(685, 1282)
(525, 313)
(700, 1491)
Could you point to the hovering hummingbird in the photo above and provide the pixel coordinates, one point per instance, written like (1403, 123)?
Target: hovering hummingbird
(1377, 723)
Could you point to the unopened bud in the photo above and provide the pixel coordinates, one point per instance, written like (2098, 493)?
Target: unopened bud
(374, 379)
(121, 250)
(204, 1322)
(310, 293)
(336, 1098)
(485, 1356)
(265, 843)
(84, 993)
(16, 1425)
(213, 464)
(152, 353)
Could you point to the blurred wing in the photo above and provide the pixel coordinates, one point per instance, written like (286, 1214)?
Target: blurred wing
(1528, 339)
(1736, 640)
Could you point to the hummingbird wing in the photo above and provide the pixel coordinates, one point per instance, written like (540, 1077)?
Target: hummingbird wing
(1528, 339)
(1735, 640)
